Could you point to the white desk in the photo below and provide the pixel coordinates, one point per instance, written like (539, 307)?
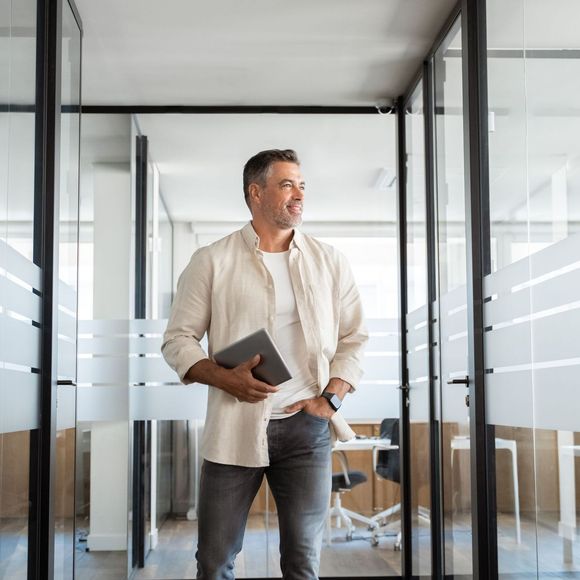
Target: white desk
(364, 444)
(511, 446)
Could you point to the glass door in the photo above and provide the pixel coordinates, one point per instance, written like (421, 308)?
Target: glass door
(417, 334)
(67, 272)
(452, 304)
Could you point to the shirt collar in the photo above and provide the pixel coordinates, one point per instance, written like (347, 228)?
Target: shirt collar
(253, 240)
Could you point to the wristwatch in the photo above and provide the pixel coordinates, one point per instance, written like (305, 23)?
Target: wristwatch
(333, 400)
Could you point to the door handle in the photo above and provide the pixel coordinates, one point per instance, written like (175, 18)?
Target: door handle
(66, 383)
(462, 381)
(405, 390)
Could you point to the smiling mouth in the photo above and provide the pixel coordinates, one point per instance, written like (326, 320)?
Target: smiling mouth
(295, 208)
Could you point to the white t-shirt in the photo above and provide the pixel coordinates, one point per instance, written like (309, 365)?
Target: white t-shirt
(289, 338)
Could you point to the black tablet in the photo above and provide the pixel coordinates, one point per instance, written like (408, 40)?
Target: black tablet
(272, 368)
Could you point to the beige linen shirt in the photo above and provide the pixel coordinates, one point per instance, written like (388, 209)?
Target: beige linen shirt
(227, 291)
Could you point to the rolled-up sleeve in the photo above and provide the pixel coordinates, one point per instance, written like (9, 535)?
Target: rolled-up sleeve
(190, 316)
(352, 333)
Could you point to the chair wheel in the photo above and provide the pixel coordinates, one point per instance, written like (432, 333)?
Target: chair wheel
(349, 537)
(397, 547)
(374, 542)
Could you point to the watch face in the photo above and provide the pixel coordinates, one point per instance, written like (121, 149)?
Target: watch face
(334, 400)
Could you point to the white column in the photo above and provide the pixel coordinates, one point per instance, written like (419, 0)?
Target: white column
(111, 287)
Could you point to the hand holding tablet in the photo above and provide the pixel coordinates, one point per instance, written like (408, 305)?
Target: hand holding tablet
(272, 369)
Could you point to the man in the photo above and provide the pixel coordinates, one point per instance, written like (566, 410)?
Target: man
(268, 275)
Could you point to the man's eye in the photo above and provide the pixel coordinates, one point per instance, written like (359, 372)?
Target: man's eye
(286, 185)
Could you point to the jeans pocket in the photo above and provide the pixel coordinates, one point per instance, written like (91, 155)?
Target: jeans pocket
(316, 417)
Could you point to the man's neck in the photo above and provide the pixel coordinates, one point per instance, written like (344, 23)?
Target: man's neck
(273, 240)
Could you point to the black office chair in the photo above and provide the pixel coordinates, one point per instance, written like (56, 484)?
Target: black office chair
(387, 465)
(343, 482)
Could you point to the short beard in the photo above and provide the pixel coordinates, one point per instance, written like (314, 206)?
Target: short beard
(287, 222)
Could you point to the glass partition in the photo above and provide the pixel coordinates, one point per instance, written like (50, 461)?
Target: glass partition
(104, 349)
(214, 207)
(67, 298)
(452, 304)
(417, 325)
(532, 288)
(20, 285)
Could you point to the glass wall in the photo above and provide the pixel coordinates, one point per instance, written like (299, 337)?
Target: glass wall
(20, 284)
(105, 295)
(452, 303)
(417, 324)
(532, 287)
(188, 150)
(67, 298)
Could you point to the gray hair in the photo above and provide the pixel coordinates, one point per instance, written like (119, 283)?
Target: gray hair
(257, 167)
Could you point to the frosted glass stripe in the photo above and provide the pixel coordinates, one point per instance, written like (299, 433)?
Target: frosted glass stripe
(418, 316)
(67, 360)
(19, 299)
(551, 338)
(417, 338)
(66, 407)
(506, 308)
(557, 398)
(419, 401)
(455, 359)
(418, 364)
(509, 399)
(508, 346)
(371, 402)
(109, 370)
(19, 342)
(453, 325)
(555, 257)
(103, 403)
(559, 291)
(67, 296)
(151, 370)
(114, 345)
(19, 401)
(381, 368)
(67, 325)
(556, 337)
(453, 301)
(176, 402)
(122, 327)
(19, 266)
(148, 326)
(502, 281)
(104, 327)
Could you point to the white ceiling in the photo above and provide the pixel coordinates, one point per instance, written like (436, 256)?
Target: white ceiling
(201, 158)
(264, 52)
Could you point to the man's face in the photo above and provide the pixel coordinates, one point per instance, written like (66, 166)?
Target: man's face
(280, 200)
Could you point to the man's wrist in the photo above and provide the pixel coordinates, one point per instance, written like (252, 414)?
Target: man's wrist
(338, 387)
(333, 400)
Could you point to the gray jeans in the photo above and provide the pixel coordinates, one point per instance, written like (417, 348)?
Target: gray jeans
(299, 476)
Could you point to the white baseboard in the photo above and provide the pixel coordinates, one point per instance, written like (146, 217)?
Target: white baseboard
(154, 535)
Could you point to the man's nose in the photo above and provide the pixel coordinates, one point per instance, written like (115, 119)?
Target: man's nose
(298, 192)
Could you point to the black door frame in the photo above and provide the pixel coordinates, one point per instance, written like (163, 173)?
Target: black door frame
(474, 67)
(47, 110)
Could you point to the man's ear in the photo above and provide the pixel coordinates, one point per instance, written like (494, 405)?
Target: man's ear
(255, 192)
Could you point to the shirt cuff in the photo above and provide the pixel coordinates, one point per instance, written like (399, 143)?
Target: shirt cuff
(186, 361)
(347, 371)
